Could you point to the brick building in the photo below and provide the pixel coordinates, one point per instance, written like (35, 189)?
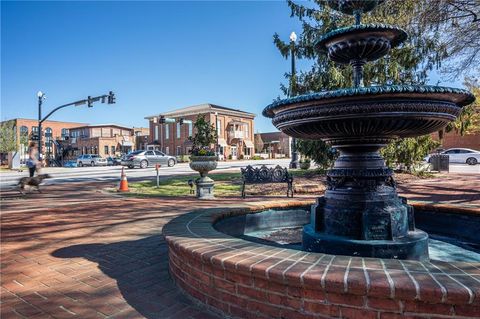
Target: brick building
(142, 137)
(235, 130)
(53, 131)
(452, 140)
(276, 144)
(103, 139)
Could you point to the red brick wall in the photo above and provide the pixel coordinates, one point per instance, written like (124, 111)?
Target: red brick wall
(246, 280)
(452, 140)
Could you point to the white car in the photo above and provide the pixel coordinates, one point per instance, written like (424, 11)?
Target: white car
(460, 155)
(91, 160)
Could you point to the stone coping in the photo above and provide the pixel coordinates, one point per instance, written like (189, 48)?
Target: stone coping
(273, 282)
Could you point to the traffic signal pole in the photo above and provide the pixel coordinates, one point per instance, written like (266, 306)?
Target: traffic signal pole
(110, 97)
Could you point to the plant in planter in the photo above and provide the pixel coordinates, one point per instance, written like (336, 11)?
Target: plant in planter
(305, 163)
(203, 158)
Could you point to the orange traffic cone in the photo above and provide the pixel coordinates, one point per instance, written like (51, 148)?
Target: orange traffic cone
(123, 182)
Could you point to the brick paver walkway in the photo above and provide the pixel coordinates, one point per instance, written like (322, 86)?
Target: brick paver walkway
(84, 254)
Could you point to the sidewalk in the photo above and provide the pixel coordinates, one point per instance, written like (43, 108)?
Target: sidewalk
(95, 255)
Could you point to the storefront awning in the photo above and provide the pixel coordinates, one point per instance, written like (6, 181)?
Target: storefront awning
(248, 143)
(222, 142)
(127, 143)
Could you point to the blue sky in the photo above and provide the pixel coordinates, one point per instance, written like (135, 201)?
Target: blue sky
(156, 56)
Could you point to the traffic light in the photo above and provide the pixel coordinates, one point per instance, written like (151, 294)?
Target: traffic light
(89, 101)
(181, 121)
(111, 98)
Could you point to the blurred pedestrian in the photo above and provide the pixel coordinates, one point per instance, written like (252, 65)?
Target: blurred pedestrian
(32, 162)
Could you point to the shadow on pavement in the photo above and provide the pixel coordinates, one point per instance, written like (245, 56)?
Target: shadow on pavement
(140, 268)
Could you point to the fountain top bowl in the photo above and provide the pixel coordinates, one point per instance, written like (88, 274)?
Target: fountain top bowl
(393, 34)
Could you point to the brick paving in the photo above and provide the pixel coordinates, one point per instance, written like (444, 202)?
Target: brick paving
(80, 253)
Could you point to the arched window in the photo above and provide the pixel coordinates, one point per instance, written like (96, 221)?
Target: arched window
(23, 130)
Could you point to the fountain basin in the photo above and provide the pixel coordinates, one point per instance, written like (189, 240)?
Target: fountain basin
(245, 279)
(368, 114)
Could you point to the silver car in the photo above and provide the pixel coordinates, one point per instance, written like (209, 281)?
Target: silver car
(91, 160)
(144, 159)
(460, 155)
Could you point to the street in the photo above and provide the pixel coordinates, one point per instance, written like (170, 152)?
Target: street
(112, 173)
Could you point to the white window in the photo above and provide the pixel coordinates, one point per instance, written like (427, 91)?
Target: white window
(190, 129)
(167, 132)
(219, 125)
(247, 127)
(178, 130)
(156, 132)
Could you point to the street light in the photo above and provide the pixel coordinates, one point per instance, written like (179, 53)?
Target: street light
(216, 127)
(41, 96)
(293, 39)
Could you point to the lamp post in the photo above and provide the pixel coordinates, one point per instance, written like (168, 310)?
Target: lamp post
(216, 127)
(41, 96)
(293, 39)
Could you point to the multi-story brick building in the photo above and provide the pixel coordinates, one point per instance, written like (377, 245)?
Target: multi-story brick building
(103, 139)
(235, 130)
(276, 144)
(53, 131)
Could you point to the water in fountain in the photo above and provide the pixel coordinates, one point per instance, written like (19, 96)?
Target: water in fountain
(361, 213)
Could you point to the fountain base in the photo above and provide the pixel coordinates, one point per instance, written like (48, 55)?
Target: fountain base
(414, 246)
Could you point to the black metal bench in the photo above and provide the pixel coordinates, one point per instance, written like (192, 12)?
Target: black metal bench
(255, 175)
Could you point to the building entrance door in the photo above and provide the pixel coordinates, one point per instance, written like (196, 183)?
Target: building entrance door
(234, 152)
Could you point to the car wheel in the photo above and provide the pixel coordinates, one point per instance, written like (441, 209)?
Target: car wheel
(472, 161)
(143, 164)
(171, 162)
(80, 164)
(131, 166)
(93, 163)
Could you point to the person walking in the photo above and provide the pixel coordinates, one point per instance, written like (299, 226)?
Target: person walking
(32, 162)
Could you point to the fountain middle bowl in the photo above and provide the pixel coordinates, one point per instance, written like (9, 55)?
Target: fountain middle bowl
(379, 112)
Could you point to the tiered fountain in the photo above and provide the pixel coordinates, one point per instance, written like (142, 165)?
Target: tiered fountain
(231, 259)
(361, 213)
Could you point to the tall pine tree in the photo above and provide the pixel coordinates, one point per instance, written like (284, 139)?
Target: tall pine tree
(409, 63)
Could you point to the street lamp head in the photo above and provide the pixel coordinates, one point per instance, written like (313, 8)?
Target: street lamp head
(293, 37)
(40, 94)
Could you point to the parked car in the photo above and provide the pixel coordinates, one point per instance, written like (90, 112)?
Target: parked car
(113, 161)
(91, 160)
(460, 155)
(144, 159)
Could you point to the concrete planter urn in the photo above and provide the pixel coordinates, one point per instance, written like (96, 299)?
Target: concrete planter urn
(203, 165)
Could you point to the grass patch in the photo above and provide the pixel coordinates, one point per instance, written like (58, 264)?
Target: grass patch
(226, 184)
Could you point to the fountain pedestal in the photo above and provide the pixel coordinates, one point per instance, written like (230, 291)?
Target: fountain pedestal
(361, 213)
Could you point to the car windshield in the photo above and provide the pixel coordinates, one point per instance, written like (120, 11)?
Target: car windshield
(135, 153)
(95, 156)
